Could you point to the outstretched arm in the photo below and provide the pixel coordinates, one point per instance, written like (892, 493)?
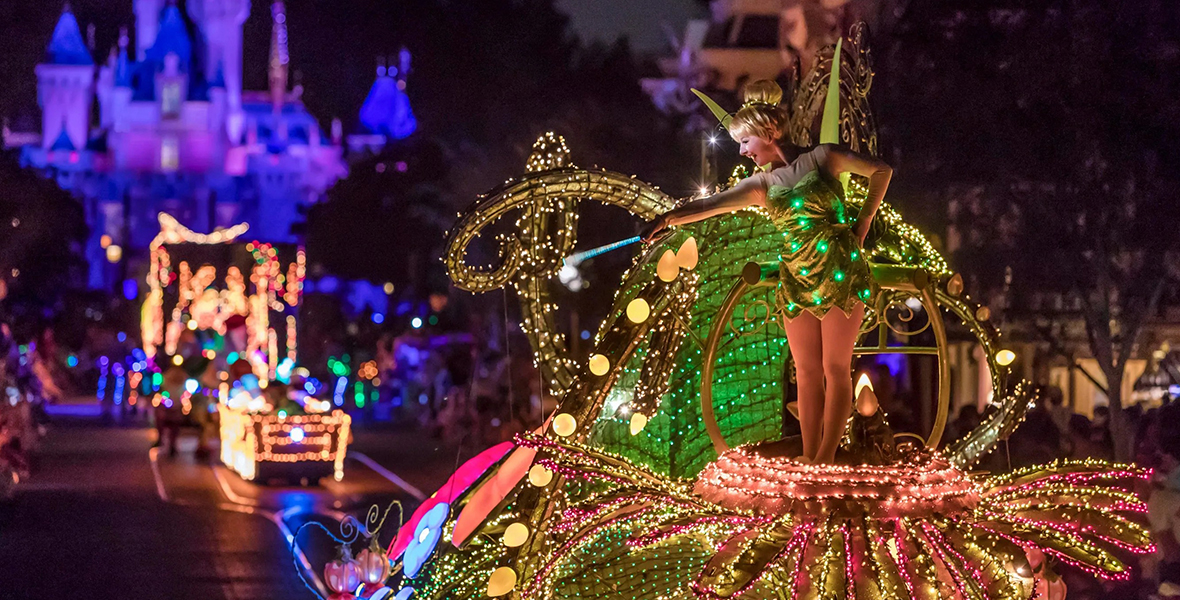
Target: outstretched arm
(842, 160)
(750, 192)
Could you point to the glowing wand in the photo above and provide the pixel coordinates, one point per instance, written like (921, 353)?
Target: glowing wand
(575, 259)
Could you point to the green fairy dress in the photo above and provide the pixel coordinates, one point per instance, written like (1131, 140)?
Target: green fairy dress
(823, 264)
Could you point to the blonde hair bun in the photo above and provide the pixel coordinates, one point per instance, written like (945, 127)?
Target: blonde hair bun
(762, 91)
(760, 115)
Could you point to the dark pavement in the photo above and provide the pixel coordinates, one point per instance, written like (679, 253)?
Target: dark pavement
(103, 516)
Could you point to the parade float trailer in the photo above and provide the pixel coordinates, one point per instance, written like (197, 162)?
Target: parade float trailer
(227, 301)
(269, 446)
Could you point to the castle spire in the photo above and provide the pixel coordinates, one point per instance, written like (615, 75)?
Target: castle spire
(66, 47)
(122, 62)
(171, 38)
(278, 55)
(386, 110)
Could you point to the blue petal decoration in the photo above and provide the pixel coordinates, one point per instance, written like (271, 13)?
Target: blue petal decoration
(426, 536)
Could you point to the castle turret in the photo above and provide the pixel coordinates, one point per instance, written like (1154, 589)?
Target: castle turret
(172, 38)
(147, 25)
(172, 57)
(104, 90)
(65, 85)
(386, 110)
(279, 58)
(121, 96)
(218, 101)
(220, 24)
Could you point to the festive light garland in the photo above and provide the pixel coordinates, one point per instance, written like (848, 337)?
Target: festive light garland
(250, 439)
(267, 284)
(741, 479)
(944, 541)
(160, 273)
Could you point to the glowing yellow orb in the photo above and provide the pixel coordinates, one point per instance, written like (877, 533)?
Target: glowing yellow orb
(1005, 357)
(501, 582)
(666, 268)
(516, 535)
(687, 255)
(638, 310)
(599, 364)
(177, 360)
(114, 253)
(539, 476)
(638, 422)
(564, 424)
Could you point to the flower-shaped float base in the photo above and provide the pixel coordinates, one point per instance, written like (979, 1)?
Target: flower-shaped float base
(754, 525)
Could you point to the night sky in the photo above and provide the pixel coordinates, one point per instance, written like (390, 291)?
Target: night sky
(334, 44)
(642, 22)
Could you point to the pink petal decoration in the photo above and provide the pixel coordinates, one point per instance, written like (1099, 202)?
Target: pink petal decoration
(462, 479)
(495, 489)
(491, 493)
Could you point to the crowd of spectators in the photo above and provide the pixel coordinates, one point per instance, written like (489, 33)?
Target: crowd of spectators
(1052, 430)
(466, 389)
(22, 397)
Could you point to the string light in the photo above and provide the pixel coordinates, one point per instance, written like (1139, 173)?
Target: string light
(638, 310)
(540, 476)
(638, 422)
(501, 581)
(268, 285)
(599, 364)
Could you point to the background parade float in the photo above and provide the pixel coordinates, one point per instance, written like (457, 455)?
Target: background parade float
(222, 306)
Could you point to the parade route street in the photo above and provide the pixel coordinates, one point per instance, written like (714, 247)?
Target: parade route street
(109, 516)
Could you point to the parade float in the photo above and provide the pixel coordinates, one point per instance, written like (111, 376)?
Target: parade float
(232, 306)
(260, 441)
(664, 473)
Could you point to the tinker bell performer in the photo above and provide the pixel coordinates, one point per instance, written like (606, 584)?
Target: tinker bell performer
(824, 266)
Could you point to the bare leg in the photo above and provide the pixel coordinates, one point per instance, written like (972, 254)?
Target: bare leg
(806, 339)
(839, 337)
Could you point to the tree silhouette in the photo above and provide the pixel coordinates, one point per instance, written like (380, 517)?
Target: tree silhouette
(1042, 134)
(42, 229)
(488, 78)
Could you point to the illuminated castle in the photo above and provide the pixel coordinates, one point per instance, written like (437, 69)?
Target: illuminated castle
(174, 132)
